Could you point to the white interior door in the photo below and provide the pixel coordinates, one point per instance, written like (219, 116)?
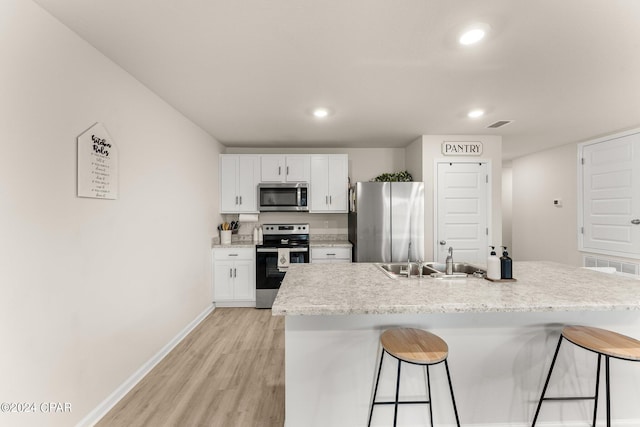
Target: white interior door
(611, 196)
(462, 212)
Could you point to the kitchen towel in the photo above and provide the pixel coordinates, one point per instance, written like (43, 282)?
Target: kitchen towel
(248, 217)
(283, 259)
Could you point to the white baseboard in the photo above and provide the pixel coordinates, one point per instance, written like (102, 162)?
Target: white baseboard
(237, 303)
(101, 410)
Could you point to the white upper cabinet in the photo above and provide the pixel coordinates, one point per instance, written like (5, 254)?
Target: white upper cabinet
(239, 175)
(329, 183)
(281, 168)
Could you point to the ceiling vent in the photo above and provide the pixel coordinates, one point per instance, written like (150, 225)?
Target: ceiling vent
(499, 124)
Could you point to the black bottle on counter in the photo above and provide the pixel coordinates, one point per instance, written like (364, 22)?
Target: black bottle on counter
(505, 265)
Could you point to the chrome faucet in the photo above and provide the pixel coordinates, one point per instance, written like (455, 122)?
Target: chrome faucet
(449, 262)
(420, 265)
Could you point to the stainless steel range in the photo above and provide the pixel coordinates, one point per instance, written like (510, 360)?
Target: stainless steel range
(282, 245)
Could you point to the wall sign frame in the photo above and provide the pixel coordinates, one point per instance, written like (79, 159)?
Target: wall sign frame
(465, 148)
(97, 164)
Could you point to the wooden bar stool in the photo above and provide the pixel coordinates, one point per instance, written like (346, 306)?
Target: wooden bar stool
(417, 347)
(604, 343)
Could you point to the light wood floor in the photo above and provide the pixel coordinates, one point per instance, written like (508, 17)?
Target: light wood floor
(229, 371)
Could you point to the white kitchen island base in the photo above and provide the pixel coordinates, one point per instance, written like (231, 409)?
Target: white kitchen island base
(498, 363)
(501, 340)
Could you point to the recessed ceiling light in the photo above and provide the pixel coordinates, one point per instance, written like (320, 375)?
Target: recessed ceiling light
(473, 34)
(321, 113)
(474, 114)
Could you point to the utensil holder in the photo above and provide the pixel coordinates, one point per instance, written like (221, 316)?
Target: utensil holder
(225, 237)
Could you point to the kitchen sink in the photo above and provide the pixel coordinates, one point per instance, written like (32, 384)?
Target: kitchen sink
(397, 270)
(458, 267)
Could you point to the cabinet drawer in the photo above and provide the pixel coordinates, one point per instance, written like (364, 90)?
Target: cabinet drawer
(234, 254)
(330, 253)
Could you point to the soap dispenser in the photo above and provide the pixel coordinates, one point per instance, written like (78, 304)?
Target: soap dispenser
(505, 265)
(493, 265)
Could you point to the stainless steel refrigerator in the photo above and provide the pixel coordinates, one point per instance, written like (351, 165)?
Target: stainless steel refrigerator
(387, 224)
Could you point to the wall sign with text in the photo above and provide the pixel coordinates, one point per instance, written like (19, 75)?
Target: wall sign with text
(97, 164)
(450, 148)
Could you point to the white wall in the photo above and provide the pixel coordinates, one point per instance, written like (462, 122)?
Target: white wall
(431, 152)
(364, 165)
(507, 205)
(414, 160)
(91, 289)
(542, 231)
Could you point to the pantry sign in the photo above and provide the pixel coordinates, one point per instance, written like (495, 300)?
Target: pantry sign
(97, 164)
(450, 148)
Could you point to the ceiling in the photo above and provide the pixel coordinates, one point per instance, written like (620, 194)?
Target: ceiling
(250, 71)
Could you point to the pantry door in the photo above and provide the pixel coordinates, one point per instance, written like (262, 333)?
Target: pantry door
(462, 212)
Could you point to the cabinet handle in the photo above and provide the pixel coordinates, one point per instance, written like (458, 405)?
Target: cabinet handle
(240, 199)
(330, 201)
(326, 200)
(279, 170)
(233, 255)
(635, 221)
(235, 273)
(331, 254)
(287, 170)
(231, 272)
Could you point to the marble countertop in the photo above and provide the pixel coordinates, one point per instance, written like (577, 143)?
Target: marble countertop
(234, 245)
(319, 240)
(362, 288)
(329, 243)
(312, 244)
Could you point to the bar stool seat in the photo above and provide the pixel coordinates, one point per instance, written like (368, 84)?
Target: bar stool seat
(603, 343)
(414, 346)
(417, 347)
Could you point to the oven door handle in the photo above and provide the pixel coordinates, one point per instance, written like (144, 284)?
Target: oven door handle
(275, 250)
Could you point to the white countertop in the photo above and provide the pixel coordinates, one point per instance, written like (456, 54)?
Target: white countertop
(362, 288)
(322, 241)
(330, 243)
(234, 245)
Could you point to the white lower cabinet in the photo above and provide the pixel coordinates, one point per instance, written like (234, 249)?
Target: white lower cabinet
(330, 254)
(234, 277)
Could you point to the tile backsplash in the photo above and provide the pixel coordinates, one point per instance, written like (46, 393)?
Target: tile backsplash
(620, 266)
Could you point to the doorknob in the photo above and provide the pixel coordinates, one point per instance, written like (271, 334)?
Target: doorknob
(443, 242)
(635, 221)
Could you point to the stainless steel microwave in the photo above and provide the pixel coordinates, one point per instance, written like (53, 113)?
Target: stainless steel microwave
(286, 196)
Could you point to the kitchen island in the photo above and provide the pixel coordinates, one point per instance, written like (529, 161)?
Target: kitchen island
(501, 338)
